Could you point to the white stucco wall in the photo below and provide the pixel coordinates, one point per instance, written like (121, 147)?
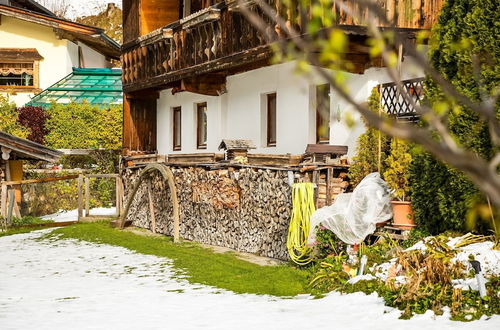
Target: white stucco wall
(239, 114)
(188, 101)
(92, 58)
(59, 56)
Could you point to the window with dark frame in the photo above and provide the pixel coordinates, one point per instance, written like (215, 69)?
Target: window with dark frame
(201, 125)
(271, 120)
(323, 114)
(177, 120)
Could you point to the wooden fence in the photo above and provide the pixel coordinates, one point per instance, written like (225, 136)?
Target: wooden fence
(9, 207)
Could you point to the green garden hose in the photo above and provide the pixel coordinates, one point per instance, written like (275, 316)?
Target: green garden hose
(298, 231)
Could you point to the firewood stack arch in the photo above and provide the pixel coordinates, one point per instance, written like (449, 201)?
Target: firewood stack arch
(169, 177)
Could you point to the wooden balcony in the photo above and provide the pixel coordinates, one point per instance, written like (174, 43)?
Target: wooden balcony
(219, 39)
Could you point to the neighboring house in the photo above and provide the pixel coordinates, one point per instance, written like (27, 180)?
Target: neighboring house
(196, 73)
(38, 48)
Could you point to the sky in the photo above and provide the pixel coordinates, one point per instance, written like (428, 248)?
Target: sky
(86, 7)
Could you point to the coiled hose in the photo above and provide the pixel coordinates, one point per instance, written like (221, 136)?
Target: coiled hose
(298, 231)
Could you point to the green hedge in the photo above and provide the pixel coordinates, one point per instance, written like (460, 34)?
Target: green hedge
(443, 197)
(8, 118)
(84, 126)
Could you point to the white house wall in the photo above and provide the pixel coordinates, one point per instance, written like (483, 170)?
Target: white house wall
(92, 58)
(59, 56)
(240, 113)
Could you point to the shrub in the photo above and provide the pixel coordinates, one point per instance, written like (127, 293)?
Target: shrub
(8, 115)
(84, 126)
(366, 160)
(397, 173)
(441, 195)
(34, 119)
(467, 30)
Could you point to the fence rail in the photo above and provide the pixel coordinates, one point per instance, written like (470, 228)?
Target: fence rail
(9, 207)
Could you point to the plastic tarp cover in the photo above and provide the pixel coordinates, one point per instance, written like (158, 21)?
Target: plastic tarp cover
(353, 216)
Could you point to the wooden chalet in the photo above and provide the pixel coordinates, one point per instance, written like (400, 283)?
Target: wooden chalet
(200, 48)
(195, 73)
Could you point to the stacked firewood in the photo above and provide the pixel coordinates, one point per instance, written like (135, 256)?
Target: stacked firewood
(244, 209)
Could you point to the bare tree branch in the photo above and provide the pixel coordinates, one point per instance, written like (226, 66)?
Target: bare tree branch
(477, 168)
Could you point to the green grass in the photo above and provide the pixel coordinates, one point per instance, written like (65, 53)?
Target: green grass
(29, 220)
(201, 265)
(14, 231)
(18, 223)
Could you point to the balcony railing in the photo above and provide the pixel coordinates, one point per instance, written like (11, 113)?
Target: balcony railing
(219, 37)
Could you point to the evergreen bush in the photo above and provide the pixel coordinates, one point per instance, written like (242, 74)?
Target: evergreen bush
(397, 169)
(467, 30)
(366, 160)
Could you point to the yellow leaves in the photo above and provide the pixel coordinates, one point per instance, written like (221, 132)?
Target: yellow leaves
(338, 41)
(302, 66)
(422, 36)
(392, 59)
(349, 120)
(376, 47)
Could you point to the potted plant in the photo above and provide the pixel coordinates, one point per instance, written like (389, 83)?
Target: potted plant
(397, 177)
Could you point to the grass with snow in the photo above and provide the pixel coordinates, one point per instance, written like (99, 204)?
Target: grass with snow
(19, 225)
(199, 264)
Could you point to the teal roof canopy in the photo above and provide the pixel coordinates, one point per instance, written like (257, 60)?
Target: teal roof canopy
(94, 86)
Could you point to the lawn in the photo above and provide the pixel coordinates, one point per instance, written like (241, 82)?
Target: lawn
(201, 265)
(24, 225)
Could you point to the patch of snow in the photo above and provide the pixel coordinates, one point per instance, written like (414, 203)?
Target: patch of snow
(356, 279)
(452, 241)
(420, 245)
(72, 215)
(466, 284)
(482, 252)
(70, 284)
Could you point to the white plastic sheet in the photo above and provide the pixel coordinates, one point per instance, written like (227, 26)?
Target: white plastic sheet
(353, 216)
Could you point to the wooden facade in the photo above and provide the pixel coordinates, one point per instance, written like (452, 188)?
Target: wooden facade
(167, 45)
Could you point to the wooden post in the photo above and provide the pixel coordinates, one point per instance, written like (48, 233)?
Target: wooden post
(80, 196)
(87, 196)
(315, 180)
(17, 211)
(151, 208)
(118, 196)
(329, 176)
(3, 201)
(12, 200)
(16, 174)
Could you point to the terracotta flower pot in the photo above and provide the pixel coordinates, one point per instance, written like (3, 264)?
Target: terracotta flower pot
(403, 215)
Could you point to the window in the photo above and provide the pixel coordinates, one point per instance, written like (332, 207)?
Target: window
(323, 113)
(271, 120)
(201, 125)
(19, 68)
(176, 128)
(16, 74)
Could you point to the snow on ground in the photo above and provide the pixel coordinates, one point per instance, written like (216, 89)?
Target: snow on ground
(72, 215)
(483, 252)
(69, 284)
